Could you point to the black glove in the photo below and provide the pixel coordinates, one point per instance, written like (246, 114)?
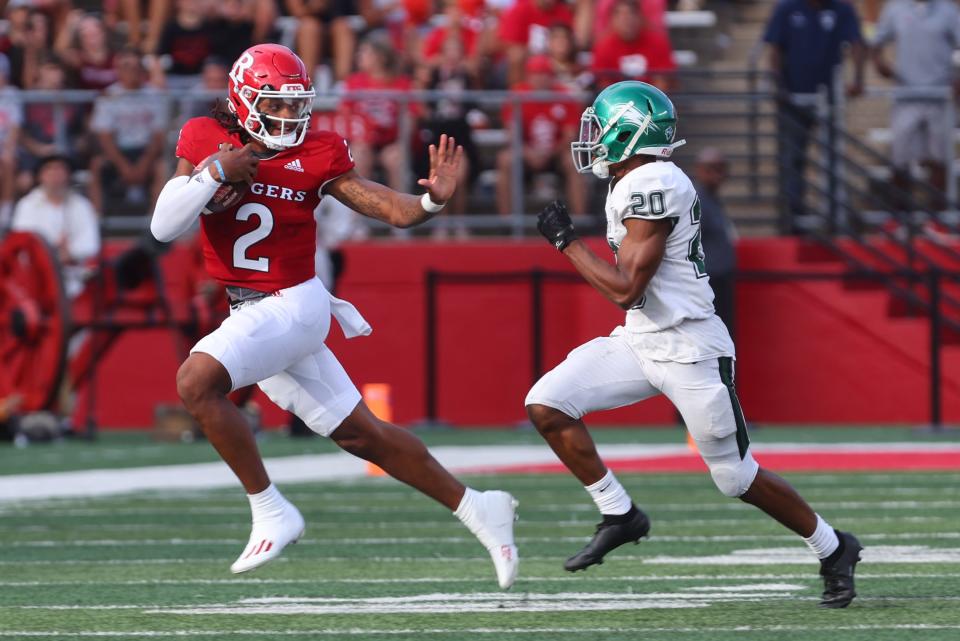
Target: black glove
(555, 225)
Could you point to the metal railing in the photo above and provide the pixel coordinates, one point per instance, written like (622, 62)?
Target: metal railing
(695, 87)
(932, 280)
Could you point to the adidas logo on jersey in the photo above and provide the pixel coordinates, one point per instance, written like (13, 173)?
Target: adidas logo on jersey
(294, 165)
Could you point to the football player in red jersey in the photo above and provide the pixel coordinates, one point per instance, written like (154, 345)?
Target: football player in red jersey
(261, 248)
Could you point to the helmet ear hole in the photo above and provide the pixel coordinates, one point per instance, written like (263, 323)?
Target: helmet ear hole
(623, 136)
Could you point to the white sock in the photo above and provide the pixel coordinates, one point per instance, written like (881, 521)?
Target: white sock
(823, 541)
(609, 495)
(267, 504)
(467, 505)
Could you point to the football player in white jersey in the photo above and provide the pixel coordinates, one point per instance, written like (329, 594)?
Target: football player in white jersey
(671, 343)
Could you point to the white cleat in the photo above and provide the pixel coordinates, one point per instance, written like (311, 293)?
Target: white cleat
(268, 538)
(491, 521)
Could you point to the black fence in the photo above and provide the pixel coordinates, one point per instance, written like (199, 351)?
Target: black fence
(931, 280)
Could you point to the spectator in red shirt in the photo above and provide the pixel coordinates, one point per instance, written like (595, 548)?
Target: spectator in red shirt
(631, 50)
(468, 30)
(597, 16)
(524, 29)
(548, 130)
(380, 145)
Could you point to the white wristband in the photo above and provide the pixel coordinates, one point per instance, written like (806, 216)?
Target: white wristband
(429, 206)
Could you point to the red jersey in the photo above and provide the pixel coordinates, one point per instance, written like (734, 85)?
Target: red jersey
(615, 59)
(266, 241)
(525, 23)
(433, 42)
(544, 122)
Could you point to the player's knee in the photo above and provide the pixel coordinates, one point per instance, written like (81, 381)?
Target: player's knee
(363, 443)
(546, 419)
(194, 385)
(733, 479)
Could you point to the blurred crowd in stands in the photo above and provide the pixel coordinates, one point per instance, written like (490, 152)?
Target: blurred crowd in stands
(133, 53)
(148, 65)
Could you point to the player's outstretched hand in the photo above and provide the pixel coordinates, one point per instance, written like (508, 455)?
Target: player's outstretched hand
(445, 160)
(239, 165)
(555, 225)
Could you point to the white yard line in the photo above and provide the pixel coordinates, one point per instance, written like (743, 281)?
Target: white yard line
(719, 505)
(647, 578)
(286, 632)
(341, 466)
(719, 538)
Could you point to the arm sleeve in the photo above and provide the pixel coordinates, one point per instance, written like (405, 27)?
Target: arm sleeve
(180, 203)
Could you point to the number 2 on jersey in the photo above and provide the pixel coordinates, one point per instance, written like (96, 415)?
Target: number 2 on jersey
(251, 238)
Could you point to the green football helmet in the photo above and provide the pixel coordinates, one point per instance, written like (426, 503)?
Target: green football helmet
(627, 119)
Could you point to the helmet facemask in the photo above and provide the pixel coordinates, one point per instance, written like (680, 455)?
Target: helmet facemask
(291, 130)
(589, 154)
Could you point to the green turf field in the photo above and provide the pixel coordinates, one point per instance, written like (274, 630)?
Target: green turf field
(381, 562)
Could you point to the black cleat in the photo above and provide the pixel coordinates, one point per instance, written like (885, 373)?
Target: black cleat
(837, 572)
(613, 532)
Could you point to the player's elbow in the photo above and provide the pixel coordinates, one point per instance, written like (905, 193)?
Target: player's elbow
(161, 232)
(628, 299)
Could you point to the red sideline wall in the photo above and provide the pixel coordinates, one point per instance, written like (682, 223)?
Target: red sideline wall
(807, 352)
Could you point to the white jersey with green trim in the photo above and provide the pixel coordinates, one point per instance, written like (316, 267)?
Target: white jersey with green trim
(675, 319)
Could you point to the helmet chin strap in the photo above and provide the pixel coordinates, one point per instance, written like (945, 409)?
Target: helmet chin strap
(601, 169)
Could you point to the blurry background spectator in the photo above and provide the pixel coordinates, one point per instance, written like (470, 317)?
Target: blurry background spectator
(926, 33)
(11, 119)
(806, 41)
(26, 38)
(524, 29)
(594, 17)
(325, 25)
(459, 25)
(84, 45)
(717, 234)
(64, 218)
(186, 41)
(130, 121)
(451, 75)
(239, 24)
(630, 49)
(213, 79)
(548, 129)
(39, 136)
(380, 146)
(564, 56)
(129, 14)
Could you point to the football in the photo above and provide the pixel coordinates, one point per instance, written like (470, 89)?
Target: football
(227, 194)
